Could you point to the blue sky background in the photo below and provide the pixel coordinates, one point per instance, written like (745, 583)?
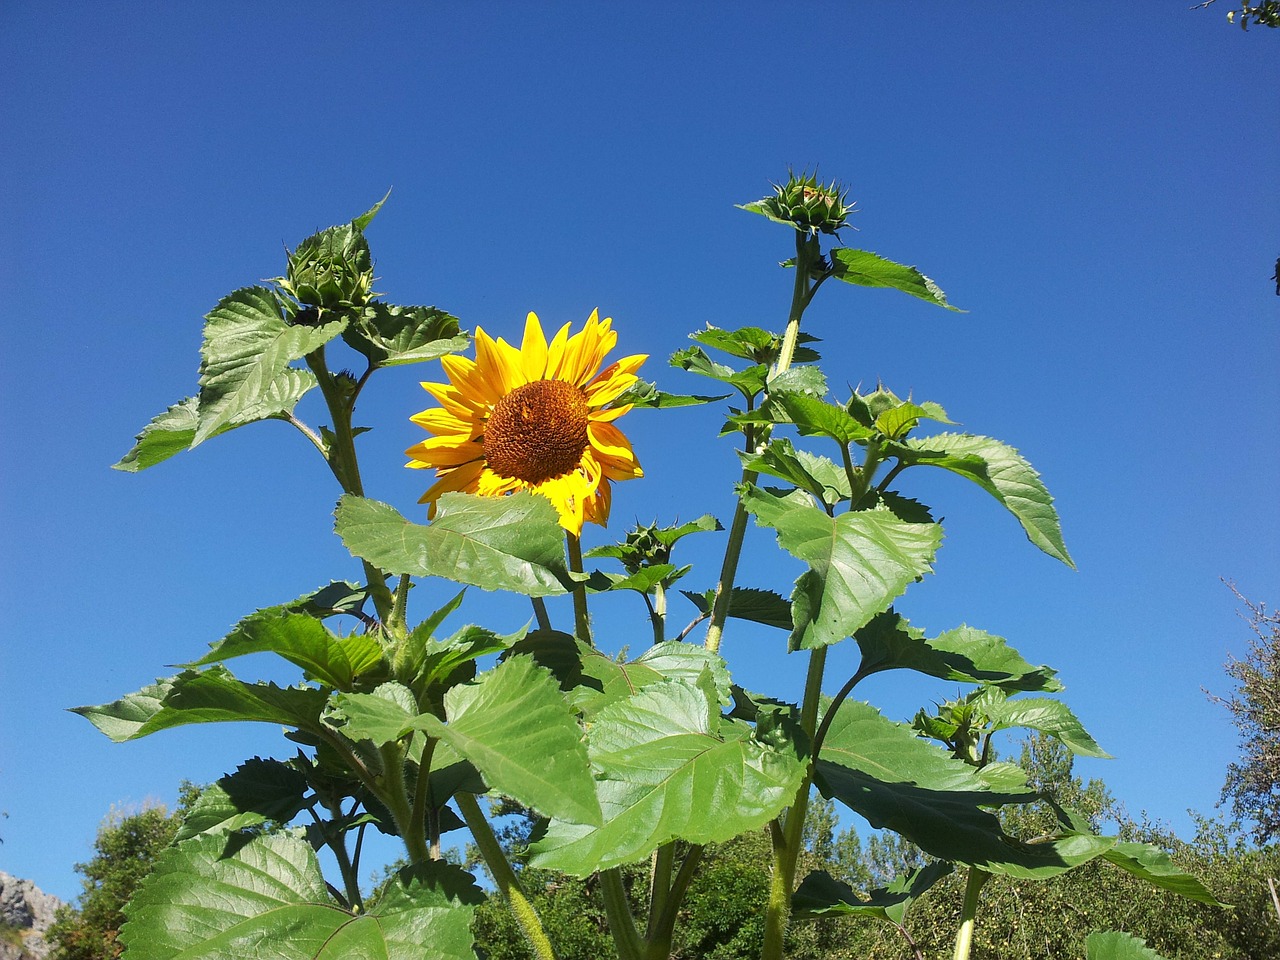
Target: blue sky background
(1094, 185)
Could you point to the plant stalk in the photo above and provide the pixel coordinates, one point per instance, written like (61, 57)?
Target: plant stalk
(582, 622)
(504, 876)
(969, 913)
(622, 925)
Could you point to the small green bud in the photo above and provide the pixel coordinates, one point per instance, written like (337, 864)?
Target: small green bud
(332, 269)
(812, 207)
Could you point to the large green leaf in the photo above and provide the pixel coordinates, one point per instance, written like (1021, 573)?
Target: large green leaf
(858, 563)
(1153, 865)
(1048, 716)
(822, 895)
(1114, 945)
(496, 543)
(889, 642)
(819, 476)
(749, 603)
(303, 640)
(867, 269)
(391, 335)
(208, 696)
(645, 395)
(669, 767)
(248, 346)
(516, 727)
(259, 791)
(749, 381)
(899, 782)
(174, 430)
(385, 715)
(1000, 470)
(601, 680)
(753, 343)
(268, 899)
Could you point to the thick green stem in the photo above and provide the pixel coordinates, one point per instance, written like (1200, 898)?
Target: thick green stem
(337, 843)
(540, 613)
(659, 887)
(787, 852)
(582, 622)
(504, 876)
(622, 926)
(422, 800)
(396, 623)
(345, 466)
(969, 913)
(392, 793)
(807, 256)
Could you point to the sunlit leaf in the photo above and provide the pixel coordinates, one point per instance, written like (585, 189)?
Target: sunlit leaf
(391, 335)
(1114, 945)
(496, 543)
(867, 269)
(268, 898)
(858, 563)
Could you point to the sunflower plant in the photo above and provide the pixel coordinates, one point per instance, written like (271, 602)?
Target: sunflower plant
(400, 726)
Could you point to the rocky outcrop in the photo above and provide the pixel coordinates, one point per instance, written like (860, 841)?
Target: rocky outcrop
(25, 914)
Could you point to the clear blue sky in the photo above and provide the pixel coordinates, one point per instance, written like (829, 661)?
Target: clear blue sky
(1095, 185)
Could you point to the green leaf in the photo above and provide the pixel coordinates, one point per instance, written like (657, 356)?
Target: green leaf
(858, 563)
(889, 642)
(517, 728)
(819, 476)
(1000, 470)
(1114, 945)
(644, 395)
(174, 431)
(1048, 716)
(269, 899)
(899, 421)
(749, 603)
(496, 543)
(899, 782)
(1153, 865)
(259, 791)
(748, 382)
(815, 417)
(822, 895)
(336, 598)
(209, 696)
(867, 269)
(601, 680)
(248, 346)
(381, 717)
(642, 581)
(754, 343)
(391, 335)
(302, 640)
(664, 761)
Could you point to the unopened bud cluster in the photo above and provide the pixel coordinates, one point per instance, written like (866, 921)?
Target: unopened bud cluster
(812, 206)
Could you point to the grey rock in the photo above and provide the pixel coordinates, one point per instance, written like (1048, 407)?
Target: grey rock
(27, 909)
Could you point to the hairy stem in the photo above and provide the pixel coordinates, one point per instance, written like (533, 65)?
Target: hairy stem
(622, 926)
(582, 622)
(787, 852)
(969, 913)
(504, 876)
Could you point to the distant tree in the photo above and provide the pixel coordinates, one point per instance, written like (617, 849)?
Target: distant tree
(125, 850)
(1266, 13)
(1253, 783)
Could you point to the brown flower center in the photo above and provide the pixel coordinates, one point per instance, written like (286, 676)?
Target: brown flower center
(537, 432)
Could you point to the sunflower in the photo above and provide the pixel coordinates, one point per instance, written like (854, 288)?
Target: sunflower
(535, 418)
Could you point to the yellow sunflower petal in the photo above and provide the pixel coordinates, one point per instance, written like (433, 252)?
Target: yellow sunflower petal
(533, 349)
(461, 480)
(499, 362)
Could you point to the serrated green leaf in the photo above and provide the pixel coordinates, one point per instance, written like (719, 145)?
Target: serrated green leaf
(642, 581)
(754, 343)
(820, 476)
(867, 269)
(748, 382)
(1153, 865)
(858, 563)
(336, 598)
(815, 417)
(1052, 717)
(269, 899)
(899, 421)
(644, 395)
(174, 431)
(662, 758)
(514, 725)
(889, 642)
(511, 543)
(749, 603)
(248, 345)
(302, 640)
(209, 696)
(380, 717)
(670, 536)
(897, 781)
(822, 895)
(1000, 470)
(391, 335)
(259, 791)
(1114, 945)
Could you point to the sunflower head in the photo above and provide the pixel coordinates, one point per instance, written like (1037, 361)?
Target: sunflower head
(537, 417)
(809, 205)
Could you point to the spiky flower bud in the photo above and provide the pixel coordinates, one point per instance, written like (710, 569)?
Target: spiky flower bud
(332, 269)
(806, 204)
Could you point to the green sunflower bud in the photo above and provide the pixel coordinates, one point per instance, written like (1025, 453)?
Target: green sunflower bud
(332, 269)
(806, 204)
